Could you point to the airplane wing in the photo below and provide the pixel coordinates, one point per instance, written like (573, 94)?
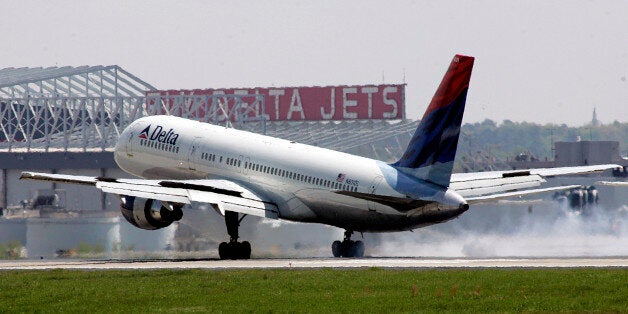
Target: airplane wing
(226, 195)
(500, 196)
(494, 185)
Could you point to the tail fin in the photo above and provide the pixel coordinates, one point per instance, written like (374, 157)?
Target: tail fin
(432, 149)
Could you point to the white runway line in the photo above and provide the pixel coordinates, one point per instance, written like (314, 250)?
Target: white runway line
(316, 263)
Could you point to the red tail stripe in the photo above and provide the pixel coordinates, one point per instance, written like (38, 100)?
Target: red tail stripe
(455, 81)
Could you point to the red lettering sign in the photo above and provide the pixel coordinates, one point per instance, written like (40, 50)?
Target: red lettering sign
(283, 104)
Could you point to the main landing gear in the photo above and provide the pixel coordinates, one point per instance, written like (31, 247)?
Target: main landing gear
(234, 249)
(348, 248)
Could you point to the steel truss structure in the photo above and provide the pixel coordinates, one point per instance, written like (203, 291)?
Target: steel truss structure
(67, 108)
(86, 108)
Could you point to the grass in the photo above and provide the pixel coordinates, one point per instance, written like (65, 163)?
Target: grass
(323, 290)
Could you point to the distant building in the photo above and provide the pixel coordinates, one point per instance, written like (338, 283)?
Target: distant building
(584, 153)
(595, 121)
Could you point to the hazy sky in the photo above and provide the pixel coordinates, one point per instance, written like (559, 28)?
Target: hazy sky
(537, 61)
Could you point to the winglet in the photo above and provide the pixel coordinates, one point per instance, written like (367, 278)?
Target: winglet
(432, 149)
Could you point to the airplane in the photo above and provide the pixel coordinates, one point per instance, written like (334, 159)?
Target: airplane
(180, 161)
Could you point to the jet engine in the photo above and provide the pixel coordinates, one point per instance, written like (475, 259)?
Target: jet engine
(149, 214)
(579, 198)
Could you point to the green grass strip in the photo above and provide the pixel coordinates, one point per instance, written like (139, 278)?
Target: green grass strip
(317, 290)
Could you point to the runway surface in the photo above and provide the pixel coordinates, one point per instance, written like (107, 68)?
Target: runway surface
(315, 263)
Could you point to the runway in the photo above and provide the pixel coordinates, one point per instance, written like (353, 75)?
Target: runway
(304, 263)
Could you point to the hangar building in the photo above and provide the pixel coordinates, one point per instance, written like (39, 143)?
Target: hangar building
(68, 119)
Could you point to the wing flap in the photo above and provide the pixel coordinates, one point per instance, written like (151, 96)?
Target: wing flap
(145, 191)
(495, 185)
(563, 171)
(499, 196)
(237, 204)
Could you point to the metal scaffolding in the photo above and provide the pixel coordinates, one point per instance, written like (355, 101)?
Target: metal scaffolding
(67, 108)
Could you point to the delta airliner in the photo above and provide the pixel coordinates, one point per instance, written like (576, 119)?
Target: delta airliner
(181, 161)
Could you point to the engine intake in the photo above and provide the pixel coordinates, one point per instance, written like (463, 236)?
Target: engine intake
(149, 214)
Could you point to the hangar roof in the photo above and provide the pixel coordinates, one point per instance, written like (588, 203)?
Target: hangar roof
(67, 81)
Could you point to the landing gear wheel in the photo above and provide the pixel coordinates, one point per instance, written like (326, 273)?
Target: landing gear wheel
(245, 250)
(336, 248)
(234, 249)
(223, 250)
(347, 248)
(359, 249)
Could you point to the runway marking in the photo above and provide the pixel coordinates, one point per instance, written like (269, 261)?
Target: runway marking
(316, 263)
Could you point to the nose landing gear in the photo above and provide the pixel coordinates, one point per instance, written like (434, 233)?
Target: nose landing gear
(348, 247)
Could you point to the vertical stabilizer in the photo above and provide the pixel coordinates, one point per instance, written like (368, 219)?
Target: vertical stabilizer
(432, 149)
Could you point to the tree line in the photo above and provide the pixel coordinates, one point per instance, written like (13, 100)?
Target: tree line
(508, 139)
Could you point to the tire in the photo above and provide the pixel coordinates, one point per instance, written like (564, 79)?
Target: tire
(359, 248)
(336, 248)
(245, 250)
(349, 249)
(234, 250)
(223, 250)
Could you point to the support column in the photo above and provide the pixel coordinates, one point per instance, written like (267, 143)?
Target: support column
(3, 188)
(54, 184)
(103, 195)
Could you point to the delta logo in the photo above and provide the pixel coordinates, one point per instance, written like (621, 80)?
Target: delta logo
(159, 135)
(341, 177)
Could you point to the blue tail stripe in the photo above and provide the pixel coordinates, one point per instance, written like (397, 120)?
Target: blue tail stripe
(436, 138)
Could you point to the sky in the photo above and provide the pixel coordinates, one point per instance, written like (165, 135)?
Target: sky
(536, 61)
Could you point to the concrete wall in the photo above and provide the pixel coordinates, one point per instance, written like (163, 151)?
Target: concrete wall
(47, 235)
(77, 197)
(586, 153)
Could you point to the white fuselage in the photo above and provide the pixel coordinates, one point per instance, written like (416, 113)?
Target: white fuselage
(307, 183)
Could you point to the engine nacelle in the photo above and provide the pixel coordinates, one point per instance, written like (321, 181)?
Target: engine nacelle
(149, 214)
